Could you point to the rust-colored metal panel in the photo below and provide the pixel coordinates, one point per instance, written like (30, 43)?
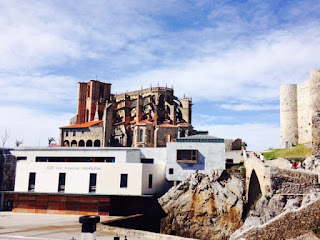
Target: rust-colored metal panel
(27, 198)
(57, 198)
(104, 199)
(26, 206)
(89, 199)
(72, 205)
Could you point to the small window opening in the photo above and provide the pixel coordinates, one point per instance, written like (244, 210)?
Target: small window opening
(141, 135)
(124, 181)
(150, 181)
(93, 182)
(62, 182)
(32, 182)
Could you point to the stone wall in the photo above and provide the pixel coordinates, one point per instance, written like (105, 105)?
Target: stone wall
(293, 182)
(296, 109)
(316, 135)
(290, 224)
(288, 114)
(304, 111)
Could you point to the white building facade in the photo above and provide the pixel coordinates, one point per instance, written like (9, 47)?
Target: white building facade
(96, 180)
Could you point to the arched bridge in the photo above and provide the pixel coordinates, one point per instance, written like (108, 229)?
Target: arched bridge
(264, 179)
(257, 178)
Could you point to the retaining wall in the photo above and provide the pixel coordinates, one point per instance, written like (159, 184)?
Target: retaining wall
(293, 182)
(287, 225)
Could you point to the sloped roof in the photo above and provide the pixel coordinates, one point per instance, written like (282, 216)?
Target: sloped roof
(83, 125)
(167, 126)
(200, 138)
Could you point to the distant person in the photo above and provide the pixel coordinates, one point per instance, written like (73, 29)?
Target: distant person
(261, 157)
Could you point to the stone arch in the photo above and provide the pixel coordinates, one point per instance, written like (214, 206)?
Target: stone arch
(81, 143)
(97, 143)
(89, 143)
(254, 192)
(73, 143)
(66, 143)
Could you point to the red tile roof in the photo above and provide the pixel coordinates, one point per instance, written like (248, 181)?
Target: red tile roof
(184, 123)
(83, 125)
(145, 121)
(167, 126)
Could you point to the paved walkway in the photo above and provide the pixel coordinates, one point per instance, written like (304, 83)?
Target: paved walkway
(47, 226)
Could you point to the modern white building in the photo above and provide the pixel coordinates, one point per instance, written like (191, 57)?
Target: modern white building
(200, 153)
(65, 180)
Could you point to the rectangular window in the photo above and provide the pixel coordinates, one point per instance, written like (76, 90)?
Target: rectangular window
(187, 156)
(67, 133)
(74, 133)
(150, 181)
(93, 182)
(124, 181)
(21, 158)
(32, 181)
(147, 160)
(76, 159)
(170, 170)
(62, 182)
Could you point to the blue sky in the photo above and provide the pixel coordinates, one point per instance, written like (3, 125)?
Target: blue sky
(230, 56)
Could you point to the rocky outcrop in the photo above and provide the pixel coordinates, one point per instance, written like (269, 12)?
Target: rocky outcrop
(204, 206)
(268, 208)
(312, 163)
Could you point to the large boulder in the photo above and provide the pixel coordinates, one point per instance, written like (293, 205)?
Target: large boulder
(204, 206)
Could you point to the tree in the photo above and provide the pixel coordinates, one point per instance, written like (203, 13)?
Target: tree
(244, 145)
(19, 142)
(50, 140)
(5, 137)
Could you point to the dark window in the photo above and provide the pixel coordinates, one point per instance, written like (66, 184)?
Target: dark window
(32, 182)
(81, 143)
(101, 93)
(74, 133)
(187, 156)
(93, 182)
(141, 135)
(147, 160)
(124, 181)
(149, 135)
(170, 170)
(62, 182)
(89, 143)
(21, 158)
(67, 133)
(150, 181)
(97, 143)
(75, 159)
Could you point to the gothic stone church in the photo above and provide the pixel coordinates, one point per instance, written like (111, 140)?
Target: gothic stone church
(144, 118)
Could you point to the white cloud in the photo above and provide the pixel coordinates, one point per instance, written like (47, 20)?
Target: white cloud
(249, 107)
(34, 127)
(42, 90)
(249, 71)
(257, 136)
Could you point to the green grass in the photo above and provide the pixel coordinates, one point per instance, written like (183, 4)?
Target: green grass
(299, 151)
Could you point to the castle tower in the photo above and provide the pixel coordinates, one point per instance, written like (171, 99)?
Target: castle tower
(314, 86)
(288, 115)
